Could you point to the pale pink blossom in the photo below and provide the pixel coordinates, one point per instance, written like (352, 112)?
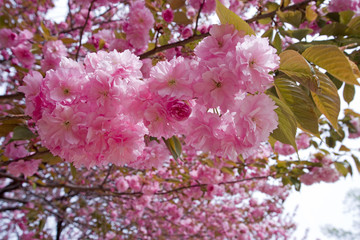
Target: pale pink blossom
(7, 38)
(255, 119)
(172, 79)
(121, 184)
(23, 54)
(28, 167)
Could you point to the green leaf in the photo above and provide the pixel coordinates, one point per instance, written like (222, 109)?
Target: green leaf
(227, 16)
(341, 168)
(227, 170)
(176, 4)
(90, 47)
(354, 26)
(181, 18)
(296, 67)
(332, 59)
(357, 162)
(334, 29)
(68, 40)
(296, 183)
(300, 104)
(299, 33)
(45, 31)
(286, 130)
(73, 170)
(348, 93)
(277, 43)
(174, 146)
(346, 16)
(292, 17)
(327, 99)
(22, 133)
(310, 14)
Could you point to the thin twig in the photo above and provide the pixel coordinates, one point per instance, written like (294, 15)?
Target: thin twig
(198, 16)
(83, 28)
(18, 95)
(201, 36)
(17, 116)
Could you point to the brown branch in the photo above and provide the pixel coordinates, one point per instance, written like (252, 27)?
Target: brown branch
(198, 16)
(17, 116)
(172, 45)
(17, 96)
(201, 36)
(9, 209)
(273, 13)
(204, 184)
(83, 29)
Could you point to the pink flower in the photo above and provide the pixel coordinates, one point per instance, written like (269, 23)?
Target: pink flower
(16, 149)
(255, 119)
(255, 58)
(140, 22)
(284, 149)
(64, 84)
(168, 15)
(172, 79)
(23, 54)
(202, 130)
(178, 110)
(186, 32)
(53, 51)
(125, 140)
(223, 39)
(7, 38)
(59, 129)
(217, 87)
(121, 184)
(28, 168)
(154, 155)
(209, 5)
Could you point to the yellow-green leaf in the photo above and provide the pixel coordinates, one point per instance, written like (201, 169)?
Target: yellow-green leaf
(286, 130)
(22, 133)
(174, 146)
(310, 14)
(300, 104)
(332, 59)
(68, 40)
(354, 26)
(227, 16)
(341, 168)
(349, 93)
(296, 67)
(357, 162)
(292, 17)
(327, 99)
(176, 4)
(45, 31)
(227, 170)
(181, 18)
(346, 16)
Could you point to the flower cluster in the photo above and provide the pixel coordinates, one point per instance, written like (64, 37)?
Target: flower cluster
(99, 112)
(325, 173)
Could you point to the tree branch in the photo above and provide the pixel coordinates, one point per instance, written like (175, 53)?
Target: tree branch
(18, 95)
(18, 116)
(83, 28)
(201, 36)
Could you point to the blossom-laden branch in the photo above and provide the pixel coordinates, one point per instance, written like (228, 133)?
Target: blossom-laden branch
(83, 28)
(201, 36)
